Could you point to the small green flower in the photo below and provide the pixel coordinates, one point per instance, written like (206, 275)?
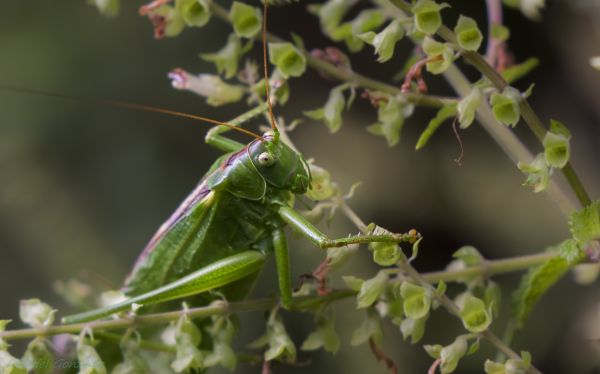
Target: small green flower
(427, 15)
(505, 106)
(287, 58)
(467, 33)
(246, 19)
(442, 55)
(194, 12)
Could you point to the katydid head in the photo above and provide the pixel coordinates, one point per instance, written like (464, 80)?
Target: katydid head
(279, 165)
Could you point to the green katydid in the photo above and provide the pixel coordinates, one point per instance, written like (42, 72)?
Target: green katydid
(223, 231)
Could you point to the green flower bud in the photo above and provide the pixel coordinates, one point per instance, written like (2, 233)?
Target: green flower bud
(474, 315)
(443, 54)
(452, 353)
(417, 300)
(194, 12)
(226, 59)
(331, 113)
(246, 19)
(391, 117)
(415, 328)
(469, 255)
(427, 15)
(385, 254)
(287, 58)
(538, 173)
(10, 364)
(36, 313)
(467, 107)
(37, 358)
(557, 150)
(384, 41)
(467, 34)
(371, 289)
(505, 106)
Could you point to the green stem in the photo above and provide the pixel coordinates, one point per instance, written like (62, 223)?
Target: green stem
(534, 123)
(347, 75)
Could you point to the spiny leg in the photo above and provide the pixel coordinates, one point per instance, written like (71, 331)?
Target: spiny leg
(217, 274)
(307, 229)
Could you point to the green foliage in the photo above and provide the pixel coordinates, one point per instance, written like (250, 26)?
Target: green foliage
(518, 71)
(371, 289)
(585, 223)
(445, 112)
(350, 32)
(324, 336)
(279, 344)
(534, 285)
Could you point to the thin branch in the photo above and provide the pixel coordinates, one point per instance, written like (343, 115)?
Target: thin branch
(347, 75)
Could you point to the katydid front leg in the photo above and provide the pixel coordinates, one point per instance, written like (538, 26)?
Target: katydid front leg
(217, 274)
(307, 229)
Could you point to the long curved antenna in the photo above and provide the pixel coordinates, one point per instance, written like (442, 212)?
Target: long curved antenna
(266, 70)
(134, 106)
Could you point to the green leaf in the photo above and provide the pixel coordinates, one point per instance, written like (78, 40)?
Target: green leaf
(557, 150)
(473, 348)
(384, 41)
(391, 120)
(467, 107)
(415, 328)
(518, 71)
(469, 255)
(246, 19)
(427, 15)
(445, 112)
(89, 360)
(467, 34)
(538, 173)
(442, 51)
(505, 106)
(36, 313)
(500, 32)
(226, 59)
(10, 364)
(417, 300)
(194, 12)
(287, 58)
(331, 113)
(492, 367)
(474, 314)
(369, 329)
(37, 359)
(585, 223)
(452, 353)
(108, 8)
(534, 285)
(371, 289)
(433, 350)
(385, 254)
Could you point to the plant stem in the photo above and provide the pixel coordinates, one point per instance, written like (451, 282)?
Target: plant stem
(534, 123)
(347, 75)
(491, 267)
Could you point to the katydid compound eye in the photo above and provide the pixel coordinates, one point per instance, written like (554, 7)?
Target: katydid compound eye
(266, 159)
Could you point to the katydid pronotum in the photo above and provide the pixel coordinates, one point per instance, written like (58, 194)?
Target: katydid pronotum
(221, 234)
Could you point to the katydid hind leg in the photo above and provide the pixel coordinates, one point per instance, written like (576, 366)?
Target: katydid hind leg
(215, 275)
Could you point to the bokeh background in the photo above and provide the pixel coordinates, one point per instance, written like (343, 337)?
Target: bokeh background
(83, 187)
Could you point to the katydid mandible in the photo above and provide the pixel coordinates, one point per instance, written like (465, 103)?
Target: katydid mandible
(223, 231)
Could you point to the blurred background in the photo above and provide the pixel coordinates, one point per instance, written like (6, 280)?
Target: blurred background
(83, 187)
